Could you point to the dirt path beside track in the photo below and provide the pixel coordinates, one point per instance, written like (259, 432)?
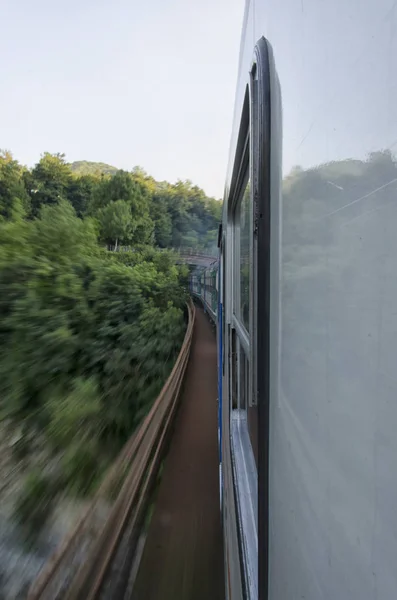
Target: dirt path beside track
(183, 554)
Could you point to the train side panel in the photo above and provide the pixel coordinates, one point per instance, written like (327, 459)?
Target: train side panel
(332, 478)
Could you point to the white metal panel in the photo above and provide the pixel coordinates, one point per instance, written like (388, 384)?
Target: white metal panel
(333, 446)
(333, 409)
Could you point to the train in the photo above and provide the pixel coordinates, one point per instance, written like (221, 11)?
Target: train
(304, 297)
(203, 284)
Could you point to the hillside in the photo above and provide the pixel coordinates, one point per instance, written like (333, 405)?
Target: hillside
(86, 167)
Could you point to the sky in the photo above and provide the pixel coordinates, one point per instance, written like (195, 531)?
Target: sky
(122, 82)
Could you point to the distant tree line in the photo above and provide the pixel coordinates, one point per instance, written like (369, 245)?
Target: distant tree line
(338, 282)
(130, 208)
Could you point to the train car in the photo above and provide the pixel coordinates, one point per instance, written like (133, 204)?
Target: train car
(204, 286)
(307, 305)
(195, 284)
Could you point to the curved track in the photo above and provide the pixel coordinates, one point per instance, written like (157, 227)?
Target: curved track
(183, 556)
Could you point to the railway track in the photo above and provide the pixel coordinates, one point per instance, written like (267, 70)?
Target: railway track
(95, 560)
(182, 557)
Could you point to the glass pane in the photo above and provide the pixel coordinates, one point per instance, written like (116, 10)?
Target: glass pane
(234, 369)
(245, 221)
(243, 378)
(338, 384)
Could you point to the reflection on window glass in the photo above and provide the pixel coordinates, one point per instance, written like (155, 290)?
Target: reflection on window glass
(243, 374)
(234, 369)
(245, 215)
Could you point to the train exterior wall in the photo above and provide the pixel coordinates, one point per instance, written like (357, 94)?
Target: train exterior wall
(333, 332)
(331, 480)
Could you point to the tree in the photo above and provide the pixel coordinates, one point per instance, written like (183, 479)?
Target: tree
(14, 199)
(134, 191)
(80, 192)
(214, 208)
(50, 180)
(143, 230)
(116, 222)
(121, 186)
(162, 222)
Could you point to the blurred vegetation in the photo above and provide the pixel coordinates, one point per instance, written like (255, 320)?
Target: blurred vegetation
(34, 504)
(87, 335)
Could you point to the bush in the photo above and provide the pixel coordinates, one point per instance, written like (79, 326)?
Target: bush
(34, 503)
(81, 467)
(87, 337)
(75, 415)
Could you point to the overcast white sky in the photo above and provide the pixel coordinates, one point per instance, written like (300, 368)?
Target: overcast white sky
(123, 82)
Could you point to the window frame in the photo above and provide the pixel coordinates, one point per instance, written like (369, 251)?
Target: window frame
(261, 184)
(244, 467)
(251, 481)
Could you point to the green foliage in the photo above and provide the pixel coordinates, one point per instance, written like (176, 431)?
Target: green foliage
(121, 204)
(50, 179)
(80, 191)
(75, 415)
(161, 214)
(162, 222)
(85, 167)
(122, 186)
(14, 199)
(183, 216)
(34, 503)
(71, 314)
(81, 469)
(88, 336)
(116, 222)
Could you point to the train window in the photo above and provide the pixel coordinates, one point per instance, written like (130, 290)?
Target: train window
(223, 259)
(243, 378)
(247, 312)
(234, 371)
(245, 242)
(242, 244)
